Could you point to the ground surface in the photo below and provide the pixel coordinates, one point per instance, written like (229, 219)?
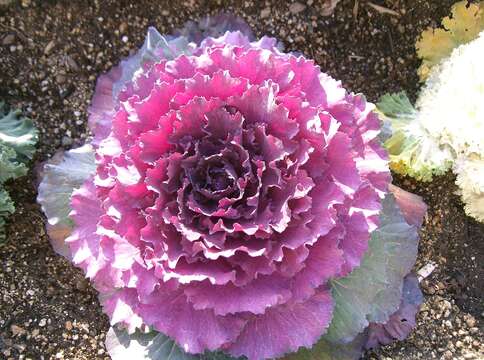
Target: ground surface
(50, 55)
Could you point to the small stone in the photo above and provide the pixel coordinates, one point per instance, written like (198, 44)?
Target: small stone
(123, 27)
(296, 7)
(19, 347)
(71, 63)
(49, 47)
(8, 40)
(35, 332)
(265, 13)
(448, 355)
(81, 285)
(68, 326)
(61, 79)
(16, 330)
(124, 39)
(66, 141)
(471, 322)
(42, 322)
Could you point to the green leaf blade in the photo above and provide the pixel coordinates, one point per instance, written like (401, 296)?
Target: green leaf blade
(18, 133)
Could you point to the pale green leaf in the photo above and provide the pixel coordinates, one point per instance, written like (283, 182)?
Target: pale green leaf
(150, 346)
(372, 292)
(61, 175)
(10, 168)
(18, 133)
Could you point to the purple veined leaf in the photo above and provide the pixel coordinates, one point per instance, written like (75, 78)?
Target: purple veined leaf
(372, 292)
(401, 323)
(371, 306)
(59, 177)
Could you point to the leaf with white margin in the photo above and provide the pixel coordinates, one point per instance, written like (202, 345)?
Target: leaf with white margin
(60, 176)
(18, 133)
(150, 346)
(372, 292)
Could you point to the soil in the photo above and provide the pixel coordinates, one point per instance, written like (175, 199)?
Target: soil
(50, 55)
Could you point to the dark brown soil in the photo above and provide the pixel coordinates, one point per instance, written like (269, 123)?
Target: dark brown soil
(50, 55)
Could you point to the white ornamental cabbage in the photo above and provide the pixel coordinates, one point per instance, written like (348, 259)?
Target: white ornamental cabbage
(446, 127)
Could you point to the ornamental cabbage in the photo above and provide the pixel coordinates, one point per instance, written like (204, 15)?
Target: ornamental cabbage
(446, 128)
(239, 205)
(435, 45)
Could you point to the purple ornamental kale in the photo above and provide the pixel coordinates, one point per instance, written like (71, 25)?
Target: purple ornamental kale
(234, 187)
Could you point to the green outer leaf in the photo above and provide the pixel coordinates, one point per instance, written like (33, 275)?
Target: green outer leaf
(6, 208)
(18, 133)
(372, 292)
(6, 203)
(17, 145)
(327, 350)
(413, 150)
(151, 346)
(396, 105)
(10, 168)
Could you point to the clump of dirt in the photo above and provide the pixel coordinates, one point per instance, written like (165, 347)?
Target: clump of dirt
(50, 55)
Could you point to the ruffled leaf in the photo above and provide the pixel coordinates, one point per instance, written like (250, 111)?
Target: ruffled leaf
(17, 145)
(150, 346)
(372, 292)
(17, 133)
(464, 25)
(6, 208)
(413, 150)
(60, 176)
(470, 179)
(155, 47)
(10, 168)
